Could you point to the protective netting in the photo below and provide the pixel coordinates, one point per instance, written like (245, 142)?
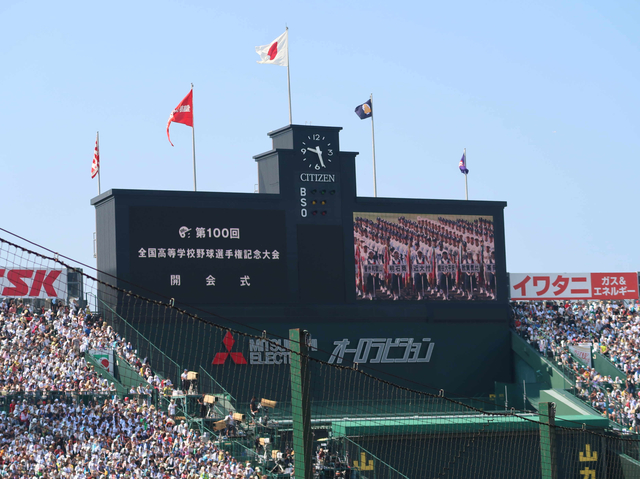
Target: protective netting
(362, 426)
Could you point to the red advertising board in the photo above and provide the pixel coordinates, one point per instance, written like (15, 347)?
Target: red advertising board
(33, 283)
(573, 286)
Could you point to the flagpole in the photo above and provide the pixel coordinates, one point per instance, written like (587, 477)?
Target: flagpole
(466, 188)
(98, 147)
(95, 234)
(373, 143)
(289, 78)
(193, 141)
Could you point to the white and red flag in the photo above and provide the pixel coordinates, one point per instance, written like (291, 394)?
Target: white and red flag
(183, 113)
(276, 52)
(95, 165)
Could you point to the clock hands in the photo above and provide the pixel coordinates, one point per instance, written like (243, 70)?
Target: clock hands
(318, 152)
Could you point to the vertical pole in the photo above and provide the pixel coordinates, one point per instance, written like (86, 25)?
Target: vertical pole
(95, 236)
(193, 142)
(289, 79)
(373, 143)
(466, 188)
(524, 389)
(99, 167)
(546, 414)
(506, 398)
(300, 403)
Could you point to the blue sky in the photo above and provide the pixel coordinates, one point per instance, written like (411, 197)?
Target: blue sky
(542, 94)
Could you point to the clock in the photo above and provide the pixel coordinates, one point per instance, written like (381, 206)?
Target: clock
(318, 151)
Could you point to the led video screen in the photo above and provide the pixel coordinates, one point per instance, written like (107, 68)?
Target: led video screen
(424, 257)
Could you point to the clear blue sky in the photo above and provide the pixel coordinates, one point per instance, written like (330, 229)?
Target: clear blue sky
(543, 95)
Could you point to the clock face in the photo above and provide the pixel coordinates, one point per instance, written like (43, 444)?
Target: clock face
(317, 151)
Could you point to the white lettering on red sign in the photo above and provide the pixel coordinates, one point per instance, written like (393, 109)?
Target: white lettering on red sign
(573, 286)
(33, 283)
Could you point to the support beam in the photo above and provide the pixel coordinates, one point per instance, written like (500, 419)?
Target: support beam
(548, 456)
(300, 403)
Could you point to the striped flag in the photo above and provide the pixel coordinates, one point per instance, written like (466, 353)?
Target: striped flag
(95, 165)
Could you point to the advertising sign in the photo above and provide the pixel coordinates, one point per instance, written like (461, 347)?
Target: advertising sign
(582, 351)
(33, 283)
(424, 257)
(221, 255)
(104, 357)
(573, 286)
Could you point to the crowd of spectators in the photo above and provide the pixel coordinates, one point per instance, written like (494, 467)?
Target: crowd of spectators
(611, 328)
(42, 357)
(43, 350)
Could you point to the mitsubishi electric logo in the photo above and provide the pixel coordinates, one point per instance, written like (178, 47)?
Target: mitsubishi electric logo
(365, 351)
(228, 342)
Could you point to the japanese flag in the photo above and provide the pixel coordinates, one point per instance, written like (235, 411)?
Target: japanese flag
(277, 52)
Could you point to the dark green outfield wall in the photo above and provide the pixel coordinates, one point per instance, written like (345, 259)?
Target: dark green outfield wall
(461, 359)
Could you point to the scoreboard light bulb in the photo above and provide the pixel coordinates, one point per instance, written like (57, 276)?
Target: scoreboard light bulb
(323, 192)
(314, 212)
(314, 202)
(313, 192)
(333, 192)
(323, 202)
(324, 213)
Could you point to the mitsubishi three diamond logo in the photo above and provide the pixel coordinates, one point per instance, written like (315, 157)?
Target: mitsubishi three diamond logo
(228, 342)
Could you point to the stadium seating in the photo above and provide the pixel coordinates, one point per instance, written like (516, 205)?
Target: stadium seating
(62, 420)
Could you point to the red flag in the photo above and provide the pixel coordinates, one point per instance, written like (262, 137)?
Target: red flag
(95, 165)
(183, 113)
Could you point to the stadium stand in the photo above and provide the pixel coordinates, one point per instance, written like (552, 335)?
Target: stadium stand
(612, 328)
(42, 358)
(61, 416)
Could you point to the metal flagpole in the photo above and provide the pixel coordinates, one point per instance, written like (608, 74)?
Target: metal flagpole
(466, 188)
(373, 142)
(193, 141)
(98, 147)
(289, 78)
(95, 234)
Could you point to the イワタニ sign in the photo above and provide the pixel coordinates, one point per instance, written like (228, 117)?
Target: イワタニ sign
(33, 283)
(573, 286)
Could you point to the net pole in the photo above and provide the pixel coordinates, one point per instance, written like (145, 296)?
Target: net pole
(300, 403)
(548, 464)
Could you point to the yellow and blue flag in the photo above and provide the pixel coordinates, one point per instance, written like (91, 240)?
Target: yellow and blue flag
(365, 110)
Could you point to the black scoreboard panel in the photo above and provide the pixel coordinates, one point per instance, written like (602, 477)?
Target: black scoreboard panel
(297, 255)
(321, 268)
(209, 255)
(308, 239)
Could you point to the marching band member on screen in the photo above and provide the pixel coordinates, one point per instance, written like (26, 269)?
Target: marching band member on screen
(371, 278)
(396, 278)
(444, 277)
(490, 272)
(420, 282)
(468, 275)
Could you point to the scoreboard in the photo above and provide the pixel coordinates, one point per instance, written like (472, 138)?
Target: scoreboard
(307, 251)
(224, 255)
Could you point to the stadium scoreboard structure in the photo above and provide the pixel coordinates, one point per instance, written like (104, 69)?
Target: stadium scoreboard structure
(415, 286)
